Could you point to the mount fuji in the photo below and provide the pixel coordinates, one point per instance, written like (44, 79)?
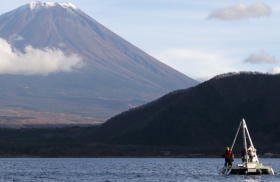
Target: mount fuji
(60, 66)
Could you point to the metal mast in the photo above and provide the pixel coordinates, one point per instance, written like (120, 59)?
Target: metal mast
(243, 124)
(245, 131)
(251, 142)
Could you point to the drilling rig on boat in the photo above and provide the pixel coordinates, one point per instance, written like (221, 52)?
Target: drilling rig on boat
(251, 164)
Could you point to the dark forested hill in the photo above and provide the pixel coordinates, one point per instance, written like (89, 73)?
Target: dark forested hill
(204, 116)
(203, 119)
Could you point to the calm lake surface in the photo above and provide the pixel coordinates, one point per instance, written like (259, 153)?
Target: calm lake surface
(124, 169)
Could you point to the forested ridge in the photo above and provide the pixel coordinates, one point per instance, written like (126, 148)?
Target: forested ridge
(199, 120)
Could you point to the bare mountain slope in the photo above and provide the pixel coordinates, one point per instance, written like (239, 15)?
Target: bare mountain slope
(115, 76)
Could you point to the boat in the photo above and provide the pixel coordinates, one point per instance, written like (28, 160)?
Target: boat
(248, 166)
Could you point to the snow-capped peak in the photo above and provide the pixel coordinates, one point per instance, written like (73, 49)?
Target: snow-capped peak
(35, 5)
(68, 5)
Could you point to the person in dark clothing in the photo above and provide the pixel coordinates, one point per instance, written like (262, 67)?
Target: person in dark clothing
(243, 154)
(227, 157)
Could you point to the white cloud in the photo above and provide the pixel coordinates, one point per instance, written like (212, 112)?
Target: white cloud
(241, 11)
(275, 70)
(16, 38)
(260, 57)
(35, 61)
(200, 65)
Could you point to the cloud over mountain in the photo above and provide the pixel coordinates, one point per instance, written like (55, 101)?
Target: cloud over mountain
(275, 70)
(260, 57)
(35, 61)
(241, 11)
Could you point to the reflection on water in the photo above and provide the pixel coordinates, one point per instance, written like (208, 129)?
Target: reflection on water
(124, 169)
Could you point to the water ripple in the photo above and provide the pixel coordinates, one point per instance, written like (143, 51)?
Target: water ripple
(123, 170)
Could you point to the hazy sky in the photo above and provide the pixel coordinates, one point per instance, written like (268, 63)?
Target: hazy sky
(199, 38)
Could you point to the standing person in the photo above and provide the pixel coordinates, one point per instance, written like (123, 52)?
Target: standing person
(251, 152)
(243, 154)
(227, 157)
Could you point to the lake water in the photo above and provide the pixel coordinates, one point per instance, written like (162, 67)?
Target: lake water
(124, 169)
